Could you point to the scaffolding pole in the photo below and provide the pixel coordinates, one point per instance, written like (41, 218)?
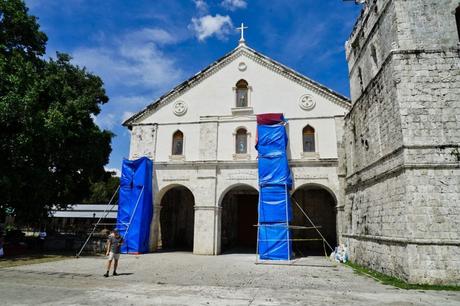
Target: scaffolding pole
(313, 226)
(286, 225)
(106, 211)
(132, 216)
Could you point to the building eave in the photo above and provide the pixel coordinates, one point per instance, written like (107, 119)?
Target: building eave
(258, 57)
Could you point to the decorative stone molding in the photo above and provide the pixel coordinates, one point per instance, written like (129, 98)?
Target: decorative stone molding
(244, 156)
(176, 158)
(241, 177)
(296, 77)
(179, 108)
(306, 102)
(242, 110)
(309, 155)
(223, 62)
(242, 66)
(310, 177)
(173, 179)
(247, 155)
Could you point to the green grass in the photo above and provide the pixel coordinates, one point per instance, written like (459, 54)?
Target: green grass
(14, 261)
(396, 282)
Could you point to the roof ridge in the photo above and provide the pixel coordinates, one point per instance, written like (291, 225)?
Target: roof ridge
(241, 48)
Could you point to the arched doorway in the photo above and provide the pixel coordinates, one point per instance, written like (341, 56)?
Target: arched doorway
(239, 215)
(320, 206)
(177, 219)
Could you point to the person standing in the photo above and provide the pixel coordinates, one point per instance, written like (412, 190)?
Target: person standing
(2, 253)
(41, 239)
(114, 243)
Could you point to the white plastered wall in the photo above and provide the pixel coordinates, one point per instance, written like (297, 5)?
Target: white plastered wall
(269, 92)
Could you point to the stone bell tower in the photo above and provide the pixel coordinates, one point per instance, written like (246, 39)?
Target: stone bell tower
(401, 142)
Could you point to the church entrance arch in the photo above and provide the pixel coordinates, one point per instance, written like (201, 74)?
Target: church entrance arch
(320, 205)
(239, 215)
(177, 217)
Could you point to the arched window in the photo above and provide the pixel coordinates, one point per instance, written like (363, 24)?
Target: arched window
(241, 93)
(308, 136)
(241, 144)
(178, 143)
(457, 18)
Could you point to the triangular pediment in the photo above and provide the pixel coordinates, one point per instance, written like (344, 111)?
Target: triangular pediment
(241, 50)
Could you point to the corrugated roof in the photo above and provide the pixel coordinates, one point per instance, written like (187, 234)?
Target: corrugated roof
(86, 211)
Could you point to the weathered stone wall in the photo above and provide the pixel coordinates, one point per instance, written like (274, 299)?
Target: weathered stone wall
(372, 40)
(401, 141)
(341, 217)
(143, 138)
(428, 85)
(208, 141)
(426, 24)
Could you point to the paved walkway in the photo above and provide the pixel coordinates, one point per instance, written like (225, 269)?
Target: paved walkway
(186, 279)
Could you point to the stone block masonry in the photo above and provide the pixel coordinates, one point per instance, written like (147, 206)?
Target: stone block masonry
(401, 141)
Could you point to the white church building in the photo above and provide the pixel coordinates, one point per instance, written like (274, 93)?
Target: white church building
(201, 137)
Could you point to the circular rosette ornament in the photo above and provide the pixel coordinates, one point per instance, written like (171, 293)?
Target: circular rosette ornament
(179, 108)
(306, 102)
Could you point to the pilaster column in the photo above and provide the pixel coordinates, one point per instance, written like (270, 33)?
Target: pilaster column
(207, 230)
(155, 232)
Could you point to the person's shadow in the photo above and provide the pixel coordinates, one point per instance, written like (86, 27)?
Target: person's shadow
(126, 273)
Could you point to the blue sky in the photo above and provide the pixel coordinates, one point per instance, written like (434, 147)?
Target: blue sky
(141, 48)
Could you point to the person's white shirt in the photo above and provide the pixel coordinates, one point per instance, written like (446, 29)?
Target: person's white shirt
(42, 235)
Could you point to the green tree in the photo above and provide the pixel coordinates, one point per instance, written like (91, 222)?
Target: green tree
(102, 191)
(50, 149)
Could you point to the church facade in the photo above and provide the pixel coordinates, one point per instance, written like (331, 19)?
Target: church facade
(201, 137)
(379, 173)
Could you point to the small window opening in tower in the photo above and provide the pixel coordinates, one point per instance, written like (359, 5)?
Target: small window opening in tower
(457, 19)
(360, 77)
(374, 55)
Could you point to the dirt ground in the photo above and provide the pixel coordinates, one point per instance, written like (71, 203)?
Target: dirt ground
(185, 279)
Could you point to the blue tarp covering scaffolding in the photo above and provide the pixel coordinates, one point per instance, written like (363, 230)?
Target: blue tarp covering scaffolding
(275, 181)
(135, 205)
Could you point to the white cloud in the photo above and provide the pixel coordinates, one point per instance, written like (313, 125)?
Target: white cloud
(126, 115)
(133, 101)
(234, 4)
(119, 109)
(155, 35)
(106, 121)
(201, 6)
(134, 62)
(135, 59)
(115, 170)
(208, 26)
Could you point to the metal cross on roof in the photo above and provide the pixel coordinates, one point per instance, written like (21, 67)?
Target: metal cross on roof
(241, 28)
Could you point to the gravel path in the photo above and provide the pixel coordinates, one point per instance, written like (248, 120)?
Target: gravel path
(186, 279)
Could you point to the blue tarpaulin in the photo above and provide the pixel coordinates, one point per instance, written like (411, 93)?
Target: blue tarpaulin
(274, 170)
(271, 144)
(135, 208)
(275, 204)
(275, 181)
(274, 241)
